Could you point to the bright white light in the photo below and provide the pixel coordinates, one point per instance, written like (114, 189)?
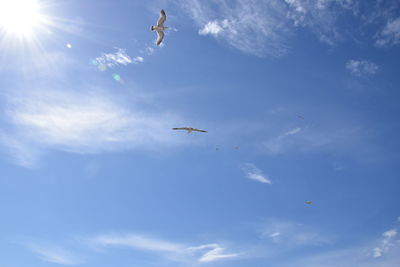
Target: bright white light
(19, 16)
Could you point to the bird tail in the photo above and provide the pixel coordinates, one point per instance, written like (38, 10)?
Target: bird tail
(152, 28)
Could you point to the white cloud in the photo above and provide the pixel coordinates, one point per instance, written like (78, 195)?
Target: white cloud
(387, 243)
(138, 59)
(263, 27)
(361, 67)
(55, 255)
(137, 242)
(92, 122)
(293, 131)
(275, 234)
(171, 250)
(390, 34)
(120, 57)
(253, 27)
(216, 252)
(213, 27)
(253, 173)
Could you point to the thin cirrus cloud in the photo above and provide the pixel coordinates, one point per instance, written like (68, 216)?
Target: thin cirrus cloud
(253, 27)
(170, 250)
(120, 57)
(264, 27)
(91, 122)
(361, 67)
(385, 254)
(215, 252)
(387, 243)
(56, 255)
(390, 34)
(280, 143)
(253, 173)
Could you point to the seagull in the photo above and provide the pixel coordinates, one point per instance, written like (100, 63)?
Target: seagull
(190, 129)
(308, 202)
(160, 27)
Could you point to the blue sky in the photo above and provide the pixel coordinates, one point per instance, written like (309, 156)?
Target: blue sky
(299, 99)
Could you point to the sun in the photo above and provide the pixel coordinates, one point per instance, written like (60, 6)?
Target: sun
(19, 17)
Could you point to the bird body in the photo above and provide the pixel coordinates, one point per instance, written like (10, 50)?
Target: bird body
(308, 202)
(189, 129)
(159, 28)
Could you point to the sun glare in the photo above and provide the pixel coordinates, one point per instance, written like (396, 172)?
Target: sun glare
(19, 16)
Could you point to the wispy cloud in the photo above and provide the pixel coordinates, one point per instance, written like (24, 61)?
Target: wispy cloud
(120, 57)
(387, 243)
(361, 67)
(390, 34)
(292, 132)
(253, 173)
(320, 17)
(91, 122)
(214, 27)
(170, 250)
(137, 242)
(277, 144)
(253, 27)
(215, 252)
(265, 27)
(55, 255)
(138, 59)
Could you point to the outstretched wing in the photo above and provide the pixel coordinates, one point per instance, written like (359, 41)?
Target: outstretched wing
(163, 17)
(182, 128)
(160, 37)
(198, 130)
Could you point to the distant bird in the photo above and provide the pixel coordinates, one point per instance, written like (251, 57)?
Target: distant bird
(308, 202)
(237, 147)
(190, 129)
(160, 27)
(300, 117)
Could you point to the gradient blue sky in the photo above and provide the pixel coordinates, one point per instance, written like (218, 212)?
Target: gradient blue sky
(300, 101)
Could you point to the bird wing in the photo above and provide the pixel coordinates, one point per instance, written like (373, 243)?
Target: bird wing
(308, 202)
(160, 37)
(182, 128)
(198, 130)
(163, 17)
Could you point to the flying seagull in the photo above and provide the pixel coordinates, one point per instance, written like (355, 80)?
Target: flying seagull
(308, 202)
(190, 129)
(160, 27)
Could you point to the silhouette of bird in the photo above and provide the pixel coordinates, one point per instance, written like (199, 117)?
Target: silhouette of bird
(308, 202)
(190, 129)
